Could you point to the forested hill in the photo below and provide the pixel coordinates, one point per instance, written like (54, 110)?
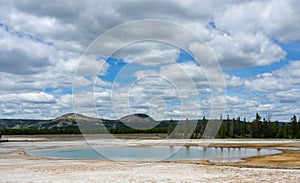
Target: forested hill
(72, 121)
(65, 121)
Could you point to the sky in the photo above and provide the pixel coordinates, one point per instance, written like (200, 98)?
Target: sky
(51, 62)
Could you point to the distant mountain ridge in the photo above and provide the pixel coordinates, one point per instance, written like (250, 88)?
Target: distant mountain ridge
(139, 121)
(72, 121)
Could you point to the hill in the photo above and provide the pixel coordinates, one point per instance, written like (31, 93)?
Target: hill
(73, 121)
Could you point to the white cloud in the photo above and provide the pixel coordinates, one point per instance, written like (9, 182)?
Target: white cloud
(39, 105)
(245, 50)
(239, 49)
(149, 53)
(41, 45)
(143, 73)
(287, 96)
(185, 76)
(28, 98)
(278, 19)
(91, 67)
(277, 92)
(278, 80)
(38, 25)
(233, 81)
(65, 101)
(80, 81)
(20, 54)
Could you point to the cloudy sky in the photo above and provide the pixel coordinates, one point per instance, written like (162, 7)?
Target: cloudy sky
(46, 48)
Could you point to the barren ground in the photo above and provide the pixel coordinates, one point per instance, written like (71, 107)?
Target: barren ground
(17, 166)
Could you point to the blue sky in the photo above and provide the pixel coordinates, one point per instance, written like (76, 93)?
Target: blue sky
(43, 59)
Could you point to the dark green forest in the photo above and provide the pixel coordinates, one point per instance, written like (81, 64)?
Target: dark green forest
(259, 128)
(229, 128)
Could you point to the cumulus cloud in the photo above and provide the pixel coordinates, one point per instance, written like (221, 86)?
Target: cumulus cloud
(91, 66)
(288, 96)
(278, 19)
(149, 53)
(32, 105)
(20, 54)
(282, 79)
(28, 97)
(245, 50)
(41, 46)
(277, 91)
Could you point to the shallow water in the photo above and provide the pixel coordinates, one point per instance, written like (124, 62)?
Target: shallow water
(154, 153)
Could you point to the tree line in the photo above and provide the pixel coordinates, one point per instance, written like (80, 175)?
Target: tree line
(260, 128)
(228, 128)
(237, 128)
(30, 131)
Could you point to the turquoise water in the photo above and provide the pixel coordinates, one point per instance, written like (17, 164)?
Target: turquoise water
(154, 153)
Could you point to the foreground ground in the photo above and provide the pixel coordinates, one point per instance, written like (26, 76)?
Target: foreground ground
(17, 166)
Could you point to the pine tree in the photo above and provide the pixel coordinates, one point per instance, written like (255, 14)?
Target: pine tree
(277, 130)
(170, 127)
(256, 127)
(186, 129)
(294, 127)
(222, 130)
(203, 125)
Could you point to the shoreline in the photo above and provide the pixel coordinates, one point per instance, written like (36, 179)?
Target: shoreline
(288, 148)
(17, 166)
